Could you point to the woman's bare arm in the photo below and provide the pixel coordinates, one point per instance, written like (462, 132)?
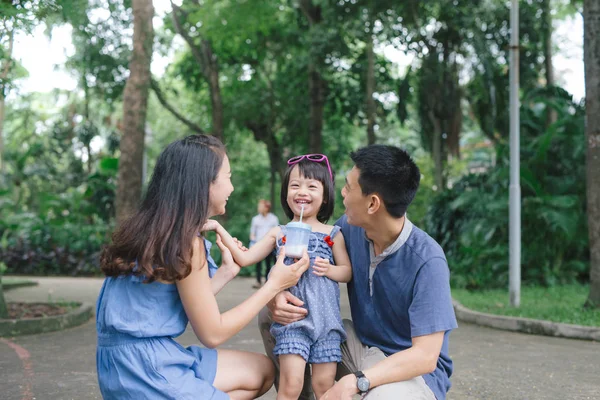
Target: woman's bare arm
(213, 328)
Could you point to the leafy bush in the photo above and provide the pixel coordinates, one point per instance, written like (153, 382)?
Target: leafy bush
(65, 233)
(470, 221)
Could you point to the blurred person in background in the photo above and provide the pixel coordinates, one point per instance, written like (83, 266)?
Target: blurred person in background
(261, 224)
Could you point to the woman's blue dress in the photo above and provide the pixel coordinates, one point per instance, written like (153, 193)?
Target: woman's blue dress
(137, 357)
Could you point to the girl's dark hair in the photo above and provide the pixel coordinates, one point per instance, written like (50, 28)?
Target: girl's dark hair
(312, 170)
(156, 242)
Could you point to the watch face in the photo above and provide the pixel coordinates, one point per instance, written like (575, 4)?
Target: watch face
(363, 384)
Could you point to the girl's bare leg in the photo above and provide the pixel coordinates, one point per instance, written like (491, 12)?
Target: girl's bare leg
(323, 377)
(243, 375)
(291, 376)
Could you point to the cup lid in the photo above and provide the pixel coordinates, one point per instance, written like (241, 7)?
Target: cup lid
(299, 225)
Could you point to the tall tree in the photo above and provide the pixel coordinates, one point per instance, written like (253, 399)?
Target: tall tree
(591, 56)
(370, 83)
(135, 105)
(316, 82)
(5, 67)
(3, 308)
(547, 49)
(547, 44)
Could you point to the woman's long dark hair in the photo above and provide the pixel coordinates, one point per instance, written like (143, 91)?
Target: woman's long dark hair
(157, 240)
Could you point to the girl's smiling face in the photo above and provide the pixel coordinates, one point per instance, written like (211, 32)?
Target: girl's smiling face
(303, 191)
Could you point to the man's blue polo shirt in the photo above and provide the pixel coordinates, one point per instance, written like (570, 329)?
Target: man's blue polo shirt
(411, 297)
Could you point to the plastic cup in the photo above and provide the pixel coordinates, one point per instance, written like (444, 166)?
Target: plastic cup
(296, 240)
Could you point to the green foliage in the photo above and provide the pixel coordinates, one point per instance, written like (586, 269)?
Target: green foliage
(54, 216)
(61, 149)
(64, 233)
(470, 221)
(59, 239)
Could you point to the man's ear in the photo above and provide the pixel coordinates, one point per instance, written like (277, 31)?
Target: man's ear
(375, 203)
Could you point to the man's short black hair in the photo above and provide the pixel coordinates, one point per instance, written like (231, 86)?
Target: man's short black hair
(391, 173)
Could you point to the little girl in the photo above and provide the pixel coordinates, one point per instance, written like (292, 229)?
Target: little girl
(160, 276)
(308, 184)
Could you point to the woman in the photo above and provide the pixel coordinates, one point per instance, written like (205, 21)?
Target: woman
(160, 276)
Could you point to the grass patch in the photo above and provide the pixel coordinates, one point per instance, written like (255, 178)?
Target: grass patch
(14, 283)
(558, 304)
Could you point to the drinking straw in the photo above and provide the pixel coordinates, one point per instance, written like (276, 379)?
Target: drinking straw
(301, 212)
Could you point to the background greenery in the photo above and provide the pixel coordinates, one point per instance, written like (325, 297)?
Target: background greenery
(60, 154)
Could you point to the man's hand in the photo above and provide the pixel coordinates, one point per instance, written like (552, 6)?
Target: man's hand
(343, 389)
(286, 308)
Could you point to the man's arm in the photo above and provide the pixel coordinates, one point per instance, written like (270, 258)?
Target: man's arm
(418, 360)
(430, 292)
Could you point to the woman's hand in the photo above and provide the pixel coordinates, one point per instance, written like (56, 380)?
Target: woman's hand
(227, 259)
(284, 276)
(321, 266)
(210, 225)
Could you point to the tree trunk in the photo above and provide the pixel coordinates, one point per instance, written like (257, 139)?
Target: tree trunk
(316, 83)
(212, 76)
(591, 56)
(86, 111)
(317, 102)
(135, 106)
(370, 89)
(547, 34)
(263, 133)
(3, 308)
(1, 137)
(438, 159)
(3, 92)
(551, 115)
(275, 164)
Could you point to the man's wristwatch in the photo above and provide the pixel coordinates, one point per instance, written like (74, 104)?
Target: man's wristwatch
(362, 383)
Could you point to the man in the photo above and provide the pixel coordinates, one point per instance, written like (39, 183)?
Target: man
(400, 301)
(260, 225)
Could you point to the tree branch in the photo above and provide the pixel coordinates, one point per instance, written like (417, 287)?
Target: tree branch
(196, 52)
(171, 109)
(312, 12)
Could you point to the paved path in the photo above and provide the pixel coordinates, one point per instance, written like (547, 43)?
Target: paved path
(489, 364)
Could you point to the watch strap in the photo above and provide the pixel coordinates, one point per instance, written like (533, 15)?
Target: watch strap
(361, 381)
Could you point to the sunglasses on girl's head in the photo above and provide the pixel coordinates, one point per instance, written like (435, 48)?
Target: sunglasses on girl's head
(314, 158)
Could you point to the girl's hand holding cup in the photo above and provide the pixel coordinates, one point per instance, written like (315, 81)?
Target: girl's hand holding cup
(285, 276)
